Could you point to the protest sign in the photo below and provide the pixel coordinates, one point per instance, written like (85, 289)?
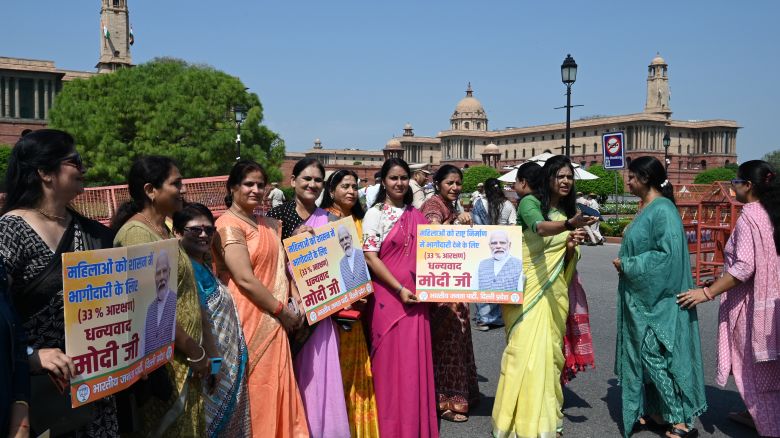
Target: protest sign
(479, 264)
(120, 315)
(329, 268)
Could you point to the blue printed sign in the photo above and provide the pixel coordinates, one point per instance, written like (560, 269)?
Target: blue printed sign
(612, 143)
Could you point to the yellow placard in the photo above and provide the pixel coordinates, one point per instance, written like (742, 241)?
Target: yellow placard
(120, 315)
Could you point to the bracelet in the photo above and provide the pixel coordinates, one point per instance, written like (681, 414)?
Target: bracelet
(400, 288)
(706, 293)
(22, 402)
(279, 309)
(201, 356)
(568, 225)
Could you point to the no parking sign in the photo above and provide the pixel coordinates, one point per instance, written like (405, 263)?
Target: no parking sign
(612, 143)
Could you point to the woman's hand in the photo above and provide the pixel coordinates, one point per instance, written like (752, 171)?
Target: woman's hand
(689, 300)
(200, 368)
(575, 238)
(54, 361)
(617, 265)
(579, 220)
(464, 218)
(303, 228)
(289, 320)
(407, 297)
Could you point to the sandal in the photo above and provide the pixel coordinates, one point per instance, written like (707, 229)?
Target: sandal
(742, 418)
(454, 417)
(674, 431)
(647, 422)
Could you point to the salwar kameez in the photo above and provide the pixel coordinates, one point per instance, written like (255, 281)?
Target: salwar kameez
(658, 355)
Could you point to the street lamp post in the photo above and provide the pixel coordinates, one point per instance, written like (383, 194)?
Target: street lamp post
(667, 141)
(240, 115)
(568, 76)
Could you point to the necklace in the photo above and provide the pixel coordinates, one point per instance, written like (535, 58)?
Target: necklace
(50, 216)
(241, 215)
(162, 231)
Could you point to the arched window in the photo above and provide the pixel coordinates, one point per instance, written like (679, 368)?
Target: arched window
(595, 147)
(516, 156)
(479, 125)
(506, 154)
(533, 152)
(466, 125)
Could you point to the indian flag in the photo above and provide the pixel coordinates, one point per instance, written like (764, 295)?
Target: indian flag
(131, 37)
(106, 33)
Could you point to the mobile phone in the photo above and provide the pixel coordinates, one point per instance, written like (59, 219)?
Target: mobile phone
(216, 364)
(293, 306)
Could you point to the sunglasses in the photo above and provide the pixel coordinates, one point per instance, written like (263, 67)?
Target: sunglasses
(73, 161)
(736, 181)
(197, 231)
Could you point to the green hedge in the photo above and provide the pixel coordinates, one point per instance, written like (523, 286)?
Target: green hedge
(613, 228)
(611, 208)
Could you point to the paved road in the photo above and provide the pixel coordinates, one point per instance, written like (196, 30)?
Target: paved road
(592, 400)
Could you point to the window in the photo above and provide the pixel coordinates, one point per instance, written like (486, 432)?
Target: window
(582, 164)
(542, 138)
(595, 147)
(704, 164)
(595, 132)
(584, 134)
(484, 142)
(523, 139)
(533, 152)
(523, 152)
(466, 125)
(533, 138)
(431, 159)
(506, 141)
(573, 134)
(563, 136)
(479, 125)
(506, 154)
(679, 149)
(727, 161)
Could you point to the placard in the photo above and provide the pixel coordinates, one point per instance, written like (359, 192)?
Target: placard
(120, 315)
(329, 268)
(479, 264)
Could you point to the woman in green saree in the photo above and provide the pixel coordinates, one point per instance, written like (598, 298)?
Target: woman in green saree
(529, 397)
(658, 355)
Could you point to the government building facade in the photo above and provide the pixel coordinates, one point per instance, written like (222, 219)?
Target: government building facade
(696, 145)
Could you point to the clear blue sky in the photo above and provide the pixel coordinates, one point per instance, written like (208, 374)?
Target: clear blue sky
(354, 72)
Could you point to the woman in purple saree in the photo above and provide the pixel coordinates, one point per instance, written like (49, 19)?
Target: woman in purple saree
(315, 349)
(398, 323)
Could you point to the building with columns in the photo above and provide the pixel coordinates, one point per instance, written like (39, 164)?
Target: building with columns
(28, 87)
(695, 144)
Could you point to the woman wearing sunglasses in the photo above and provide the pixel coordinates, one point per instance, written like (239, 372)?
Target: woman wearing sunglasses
(748, 334)
(225, 392)
(45, 174)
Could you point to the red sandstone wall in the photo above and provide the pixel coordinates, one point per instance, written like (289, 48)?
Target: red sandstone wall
(10, 131)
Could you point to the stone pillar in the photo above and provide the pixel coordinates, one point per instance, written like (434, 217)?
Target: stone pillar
(46, 102)
(17, 113)
(36, 97)
(2, 96)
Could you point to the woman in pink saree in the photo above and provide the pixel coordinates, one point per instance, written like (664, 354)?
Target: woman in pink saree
(748, 322)
(398, 323)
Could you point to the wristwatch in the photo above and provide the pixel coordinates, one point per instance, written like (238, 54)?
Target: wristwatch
(30, 351)
(568, 225)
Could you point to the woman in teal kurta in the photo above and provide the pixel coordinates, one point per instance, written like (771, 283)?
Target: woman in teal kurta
(658, 356)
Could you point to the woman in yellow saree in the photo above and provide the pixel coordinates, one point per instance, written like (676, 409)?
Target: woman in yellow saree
(529, 396)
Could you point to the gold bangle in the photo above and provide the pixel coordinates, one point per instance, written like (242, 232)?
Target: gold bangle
(22, 402)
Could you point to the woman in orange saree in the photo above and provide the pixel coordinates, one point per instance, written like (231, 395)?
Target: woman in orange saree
(250, 259)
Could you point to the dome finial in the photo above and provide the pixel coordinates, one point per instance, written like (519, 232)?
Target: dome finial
(469, 92)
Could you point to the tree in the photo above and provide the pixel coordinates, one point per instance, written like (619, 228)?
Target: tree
(165, 107)
(604, 185)
(716, 174)
(773, 158)
(5, 155)
(475, 175)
